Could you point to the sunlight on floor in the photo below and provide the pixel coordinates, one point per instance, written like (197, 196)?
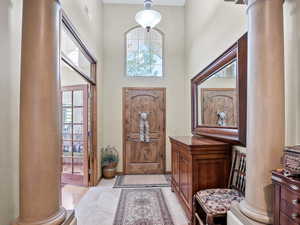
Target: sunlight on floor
(71, 195)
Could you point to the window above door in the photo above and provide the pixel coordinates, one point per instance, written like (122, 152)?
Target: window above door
(144, 53)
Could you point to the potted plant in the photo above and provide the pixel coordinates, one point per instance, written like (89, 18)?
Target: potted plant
(110, 159)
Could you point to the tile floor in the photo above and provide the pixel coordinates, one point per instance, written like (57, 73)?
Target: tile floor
(97, 205)
(71, 195)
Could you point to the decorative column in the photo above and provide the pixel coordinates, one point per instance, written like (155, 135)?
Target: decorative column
(266, 120)
(40, 145)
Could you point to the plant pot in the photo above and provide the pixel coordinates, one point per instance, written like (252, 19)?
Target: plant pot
(109, 172)
(112, 165)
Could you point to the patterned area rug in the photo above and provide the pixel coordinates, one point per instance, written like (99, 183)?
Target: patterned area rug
(142, 207)
(142, 181)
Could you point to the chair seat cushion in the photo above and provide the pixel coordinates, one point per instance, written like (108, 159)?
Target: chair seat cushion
(218, 201)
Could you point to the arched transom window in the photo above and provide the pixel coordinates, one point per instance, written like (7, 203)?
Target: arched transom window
(144, 53)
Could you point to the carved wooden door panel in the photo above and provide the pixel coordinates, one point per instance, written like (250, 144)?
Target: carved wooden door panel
(144, 138)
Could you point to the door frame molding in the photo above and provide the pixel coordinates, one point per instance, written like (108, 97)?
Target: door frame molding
(163, 89)
(92, 80)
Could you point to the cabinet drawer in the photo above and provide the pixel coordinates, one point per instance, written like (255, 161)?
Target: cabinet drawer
(289, 210)
(291, 197)
(285, 220)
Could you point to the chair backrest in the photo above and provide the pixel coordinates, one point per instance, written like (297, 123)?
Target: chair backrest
(237, 179)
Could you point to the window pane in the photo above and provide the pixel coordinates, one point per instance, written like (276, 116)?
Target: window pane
(67, 115)
(78, 115)
(78, 148)
(67, 157)
(78, 157)
(78, 132)
(78, 165)
(67, 98)
(67, 148)
(73, 52)
(78, 98)
(67, 131)
(144, 53)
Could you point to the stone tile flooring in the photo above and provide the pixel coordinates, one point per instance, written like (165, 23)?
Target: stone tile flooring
(99, 204)
(71, 195)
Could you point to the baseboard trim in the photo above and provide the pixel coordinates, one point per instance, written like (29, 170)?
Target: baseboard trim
(71, 219)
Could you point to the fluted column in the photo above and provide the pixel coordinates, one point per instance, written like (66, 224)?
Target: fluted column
(265, 126)
(40, 148)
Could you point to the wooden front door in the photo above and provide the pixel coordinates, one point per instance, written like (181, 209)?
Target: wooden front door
(144, 130)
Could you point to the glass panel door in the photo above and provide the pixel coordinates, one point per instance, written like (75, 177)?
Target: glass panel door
(74, 134)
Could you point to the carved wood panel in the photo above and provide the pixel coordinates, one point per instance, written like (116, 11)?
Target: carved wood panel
(212, 172)
(216, 100)
(141, 156)
(184, 176)
(175, 166)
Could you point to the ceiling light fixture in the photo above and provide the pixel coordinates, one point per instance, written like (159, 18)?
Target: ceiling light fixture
(148, 18)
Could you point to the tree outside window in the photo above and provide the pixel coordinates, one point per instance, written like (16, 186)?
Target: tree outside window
(144, 53)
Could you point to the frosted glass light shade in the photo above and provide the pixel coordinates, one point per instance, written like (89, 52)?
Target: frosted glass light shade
(148, 18)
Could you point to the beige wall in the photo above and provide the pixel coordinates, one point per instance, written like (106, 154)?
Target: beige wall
(210, 28)
(292, 70)
(90, 28)
(117, 20)
(10, 45)
(219, 25)
(70, 77)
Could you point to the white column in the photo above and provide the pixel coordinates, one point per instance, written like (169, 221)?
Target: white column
(266, 120)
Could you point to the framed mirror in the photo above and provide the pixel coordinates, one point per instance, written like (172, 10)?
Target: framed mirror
(219, 96)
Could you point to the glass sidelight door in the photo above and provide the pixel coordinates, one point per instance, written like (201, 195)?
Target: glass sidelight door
(75, 134)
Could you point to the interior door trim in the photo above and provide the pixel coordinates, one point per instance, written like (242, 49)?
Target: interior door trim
(94, 176)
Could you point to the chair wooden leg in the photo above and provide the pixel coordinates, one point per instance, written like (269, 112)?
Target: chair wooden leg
(210, 219)
(194, 222)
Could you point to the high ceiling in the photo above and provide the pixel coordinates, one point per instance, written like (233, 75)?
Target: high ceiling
(156, 2)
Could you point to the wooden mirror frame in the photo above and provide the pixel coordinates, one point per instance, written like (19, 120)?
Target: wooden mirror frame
(237, 135)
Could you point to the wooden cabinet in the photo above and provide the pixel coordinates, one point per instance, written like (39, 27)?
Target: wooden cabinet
(198, 163)
(286, 199)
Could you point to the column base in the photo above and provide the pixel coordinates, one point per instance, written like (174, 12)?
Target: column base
(254, 214)
(56, 219)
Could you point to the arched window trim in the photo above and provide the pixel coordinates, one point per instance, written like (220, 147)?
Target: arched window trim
(163, 54)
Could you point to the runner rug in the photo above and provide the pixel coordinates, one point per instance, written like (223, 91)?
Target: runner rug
(142, 207)
(142, 181)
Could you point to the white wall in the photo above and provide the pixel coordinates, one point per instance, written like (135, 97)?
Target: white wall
(10, 46)
(117, 20)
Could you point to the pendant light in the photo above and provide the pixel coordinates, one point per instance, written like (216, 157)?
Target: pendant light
(148, 18)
